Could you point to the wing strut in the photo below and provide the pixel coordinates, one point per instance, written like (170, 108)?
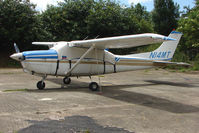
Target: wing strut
(81, 58)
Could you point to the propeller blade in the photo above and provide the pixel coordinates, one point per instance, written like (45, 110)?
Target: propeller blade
(16, 48)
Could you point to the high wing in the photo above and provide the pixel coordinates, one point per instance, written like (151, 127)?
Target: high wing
(121, 41)
(44, 43)
(49, 44)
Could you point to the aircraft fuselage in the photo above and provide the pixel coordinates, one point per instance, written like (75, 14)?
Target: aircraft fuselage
(60, 59)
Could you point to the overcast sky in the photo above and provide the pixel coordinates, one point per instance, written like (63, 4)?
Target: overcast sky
(41, 4)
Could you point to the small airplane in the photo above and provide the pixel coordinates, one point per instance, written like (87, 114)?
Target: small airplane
(90, 57)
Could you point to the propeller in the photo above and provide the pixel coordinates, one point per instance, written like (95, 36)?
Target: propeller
(16, 48)
(17, 56)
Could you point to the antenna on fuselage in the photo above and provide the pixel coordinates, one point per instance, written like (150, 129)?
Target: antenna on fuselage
(96, 36)
(85, 38)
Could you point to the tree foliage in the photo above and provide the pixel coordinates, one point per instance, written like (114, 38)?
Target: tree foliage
(18, 23)
(78, 19)
(70, 20)
(165, 16)
(189, 25)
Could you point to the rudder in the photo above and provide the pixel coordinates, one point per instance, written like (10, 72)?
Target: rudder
(167, 49)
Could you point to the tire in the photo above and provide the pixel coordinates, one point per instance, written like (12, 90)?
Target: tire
(40, 85)
(67, 80)
(93, 86)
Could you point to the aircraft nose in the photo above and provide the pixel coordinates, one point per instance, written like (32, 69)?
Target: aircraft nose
(17, 56)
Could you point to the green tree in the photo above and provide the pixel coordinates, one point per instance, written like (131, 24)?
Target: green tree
(164, 16)
(189, 25)
(78, 19)
(68, 20)
(109, 19)
(18, 23)
(144, 18)
(141, 13)
(73, 20)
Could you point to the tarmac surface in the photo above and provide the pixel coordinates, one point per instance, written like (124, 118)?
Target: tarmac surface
(145, 101)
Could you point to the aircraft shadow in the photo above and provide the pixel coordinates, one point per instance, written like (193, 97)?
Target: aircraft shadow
(116, 92)
(170, 83)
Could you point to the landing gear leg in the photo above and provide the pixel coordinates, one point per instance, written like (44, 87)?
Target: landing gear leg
(67, 80)
(41, 84)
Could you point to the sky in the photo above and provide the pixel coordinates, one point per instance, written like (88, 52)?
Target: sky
(149, 3)
(41, 4)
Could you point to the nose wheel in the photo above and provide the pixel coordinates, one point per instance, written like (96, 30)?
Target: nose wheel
(93, 86)
(41, 85)
(67, 80)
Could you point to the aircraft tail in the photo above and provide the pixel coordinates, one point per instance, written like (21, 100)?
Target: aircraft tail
(165, 51)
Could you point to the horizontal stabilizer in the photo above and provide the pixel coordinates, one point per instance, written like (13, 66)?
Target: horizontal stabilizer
(165, 63)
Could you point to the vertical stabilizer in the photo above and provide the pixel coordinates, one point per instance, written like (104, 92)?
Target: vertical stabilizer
(165, 51)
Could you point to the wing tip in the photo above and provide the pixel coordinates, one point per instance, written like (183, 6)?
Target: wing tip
(169, 39)
(176, 32)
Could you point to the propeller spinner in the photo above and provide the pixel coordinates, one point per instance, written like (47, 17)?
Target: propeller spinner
(17, 56)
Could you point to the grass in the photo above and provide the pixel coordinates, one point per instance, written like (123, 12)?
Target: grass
(173, 71)
(8, 73)
(175, 68)
(100, 75)
(13, 90)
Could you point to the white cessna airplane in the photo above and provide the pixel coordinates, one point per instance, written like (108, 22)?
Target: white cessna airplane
(89, 57)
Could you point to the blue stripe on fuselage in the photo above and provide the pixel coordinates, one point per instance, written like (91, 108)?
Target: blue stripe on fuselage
(41, 54)
(129, 58)
(42, 57)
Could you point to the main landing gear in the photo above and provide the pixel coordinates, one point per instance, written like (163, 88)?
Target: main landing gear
(93, 86)
(66, 80)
